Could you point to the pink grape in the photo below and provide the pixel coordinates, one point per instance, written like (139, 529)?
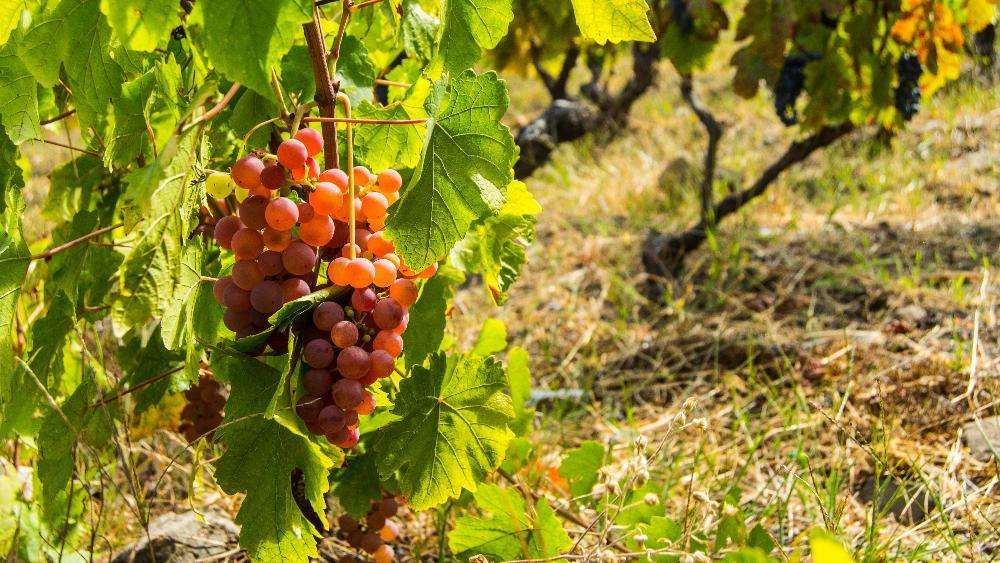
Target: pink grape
(273, 177)
(225, 228)
(311, 139)
(252, 212)
(382, 364)
(344, 334)
(318, 353)
(388, 313)
(219, 288)
(364, 300)
(235, 298)
(317, 382)
(327, 314)
(281, 214)
(246, 171)
(247, 274)
(266, 297)
(353, 363)
(299, 258)
(236, 320)
(347, 394)
(389, 181)
(335, 176)
(388, 341)
(292, 154)
(270, 263)
(330, 419)
(294, 288)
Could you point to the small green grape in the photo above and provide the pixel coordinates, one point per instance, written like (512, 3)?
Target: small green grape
(241, 194)
(219, 185)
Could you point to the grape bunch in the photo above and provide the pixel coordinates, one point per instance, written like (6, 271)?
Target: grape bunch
(791, 81)
(908, 71)
(203, 412)
(371, 534)
(281, 246)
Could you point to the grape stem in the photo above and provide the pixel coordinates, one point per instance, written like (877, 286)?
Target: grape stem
(276, 86)
(384, 82)
(48, 254)
(215, 110)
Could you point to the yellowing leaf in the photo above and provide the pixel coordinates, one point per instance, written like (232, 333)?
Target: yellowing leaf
(979, 14)
(826, 548)
(613, 20)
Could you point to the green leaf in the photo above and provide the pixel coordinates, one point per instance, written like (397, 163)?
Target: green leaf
(260, 455)
(769, 23)
(580, 467)
(142, 25)
(11, 175)
(18, 100)
(470, 26)
(144, 358)
(452, 429)
(464, 172)
(180, 311)
(419, 32)
(48, 337)
(251, 109)
(355, 70)
(492, 338)
(43, 46)
(14, 259)
(760, 539)
(392, 146)
(129, 136)
(508, 532)
(429, 314)
(95, 77)
(296, 75)
(826, 548)
(244, 41)
(66, 268)
(10, 15)
(662, 532)
(613, 20)
(74, 187)
(357, 485)
(519, 379)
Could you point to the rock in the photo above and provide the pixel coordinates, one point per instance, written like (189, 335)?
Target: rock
(983, 438)
(908, 502)
(183, 537)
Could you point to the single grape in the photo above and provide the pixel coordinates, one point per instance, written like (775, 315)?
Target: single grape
(389, 181)
(327, 198)
(367, 404)
(236, 320)
(317, 382)
(219, 288)
(371, 542)
(294, 288)
(361, 237)
(253, 212)
(374, 205)
(382, 364)
(351, 417)
(347, 394)
(327, 314)
(402, 326)
(362, 176)
(330, 419)
(318, 353)
(317, 232)
(246, 171)
(388, 341)
(354, 537)
(389, 531)
(388, 313)
(404, 292)
(281, 214)
(360, 273)
(235, 298)
(270, 263)
(388, 506)
(247, 274)
(377, 224)
(311, 139)
(336, 272)
(364, 300)
(241, 194)
(266, 297)
(308, 408)
(306, 212)
(385, 272)
(374, 520)
(344, 334)
(350, 439)
(247, 244)
(276, 240)
(384, 554)
(299, 258)
(225, 228)
(292, 154)
(348, 249)
(353, 363)
(377, 243)
(335, 176)
(347, 524)
(219, 185)
(394, 259)
(273, 177)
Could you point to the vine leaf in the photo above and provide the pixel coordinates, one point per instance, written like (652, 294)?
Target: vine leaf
(18, 98)
(95, 77)
(141, 24)
(497, 248)
(387, 146)
(355, 70)
(419, 32)
(429, 314)
(14, 259)
(466, 166)
(452, 429)
(580, 467)
(511, 531)
(768, 24)
(470, 26)
(245, 42)
(129, 137)
(357, 484)
(144, 357)
(10, 14)
(261, 454)
(613, 20)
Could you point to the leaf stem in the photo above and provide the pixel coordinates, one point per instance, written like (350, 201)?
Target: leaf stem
(365, 4)
(70, 147)
(215, 110)
(134, 388)
(59, 117)
(48, 254)
(276, 86)
(384, 82)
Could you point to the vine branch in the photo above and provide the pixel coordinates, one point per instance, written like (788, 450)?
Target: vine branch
(326, 91)
(715, 130)
(59, 117)
(215, 110)
(48, 254)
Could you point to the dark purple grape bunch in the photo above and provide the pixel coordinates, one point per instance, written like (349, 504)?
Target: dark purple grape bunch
(372, 534)
(907, 95)
(203, 412)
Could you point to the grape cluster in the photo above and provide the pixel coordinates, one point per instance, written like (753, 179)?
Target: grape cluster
(908, 71)
(791, 81)
(203, 412)
(372, 534)
(281, 246)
